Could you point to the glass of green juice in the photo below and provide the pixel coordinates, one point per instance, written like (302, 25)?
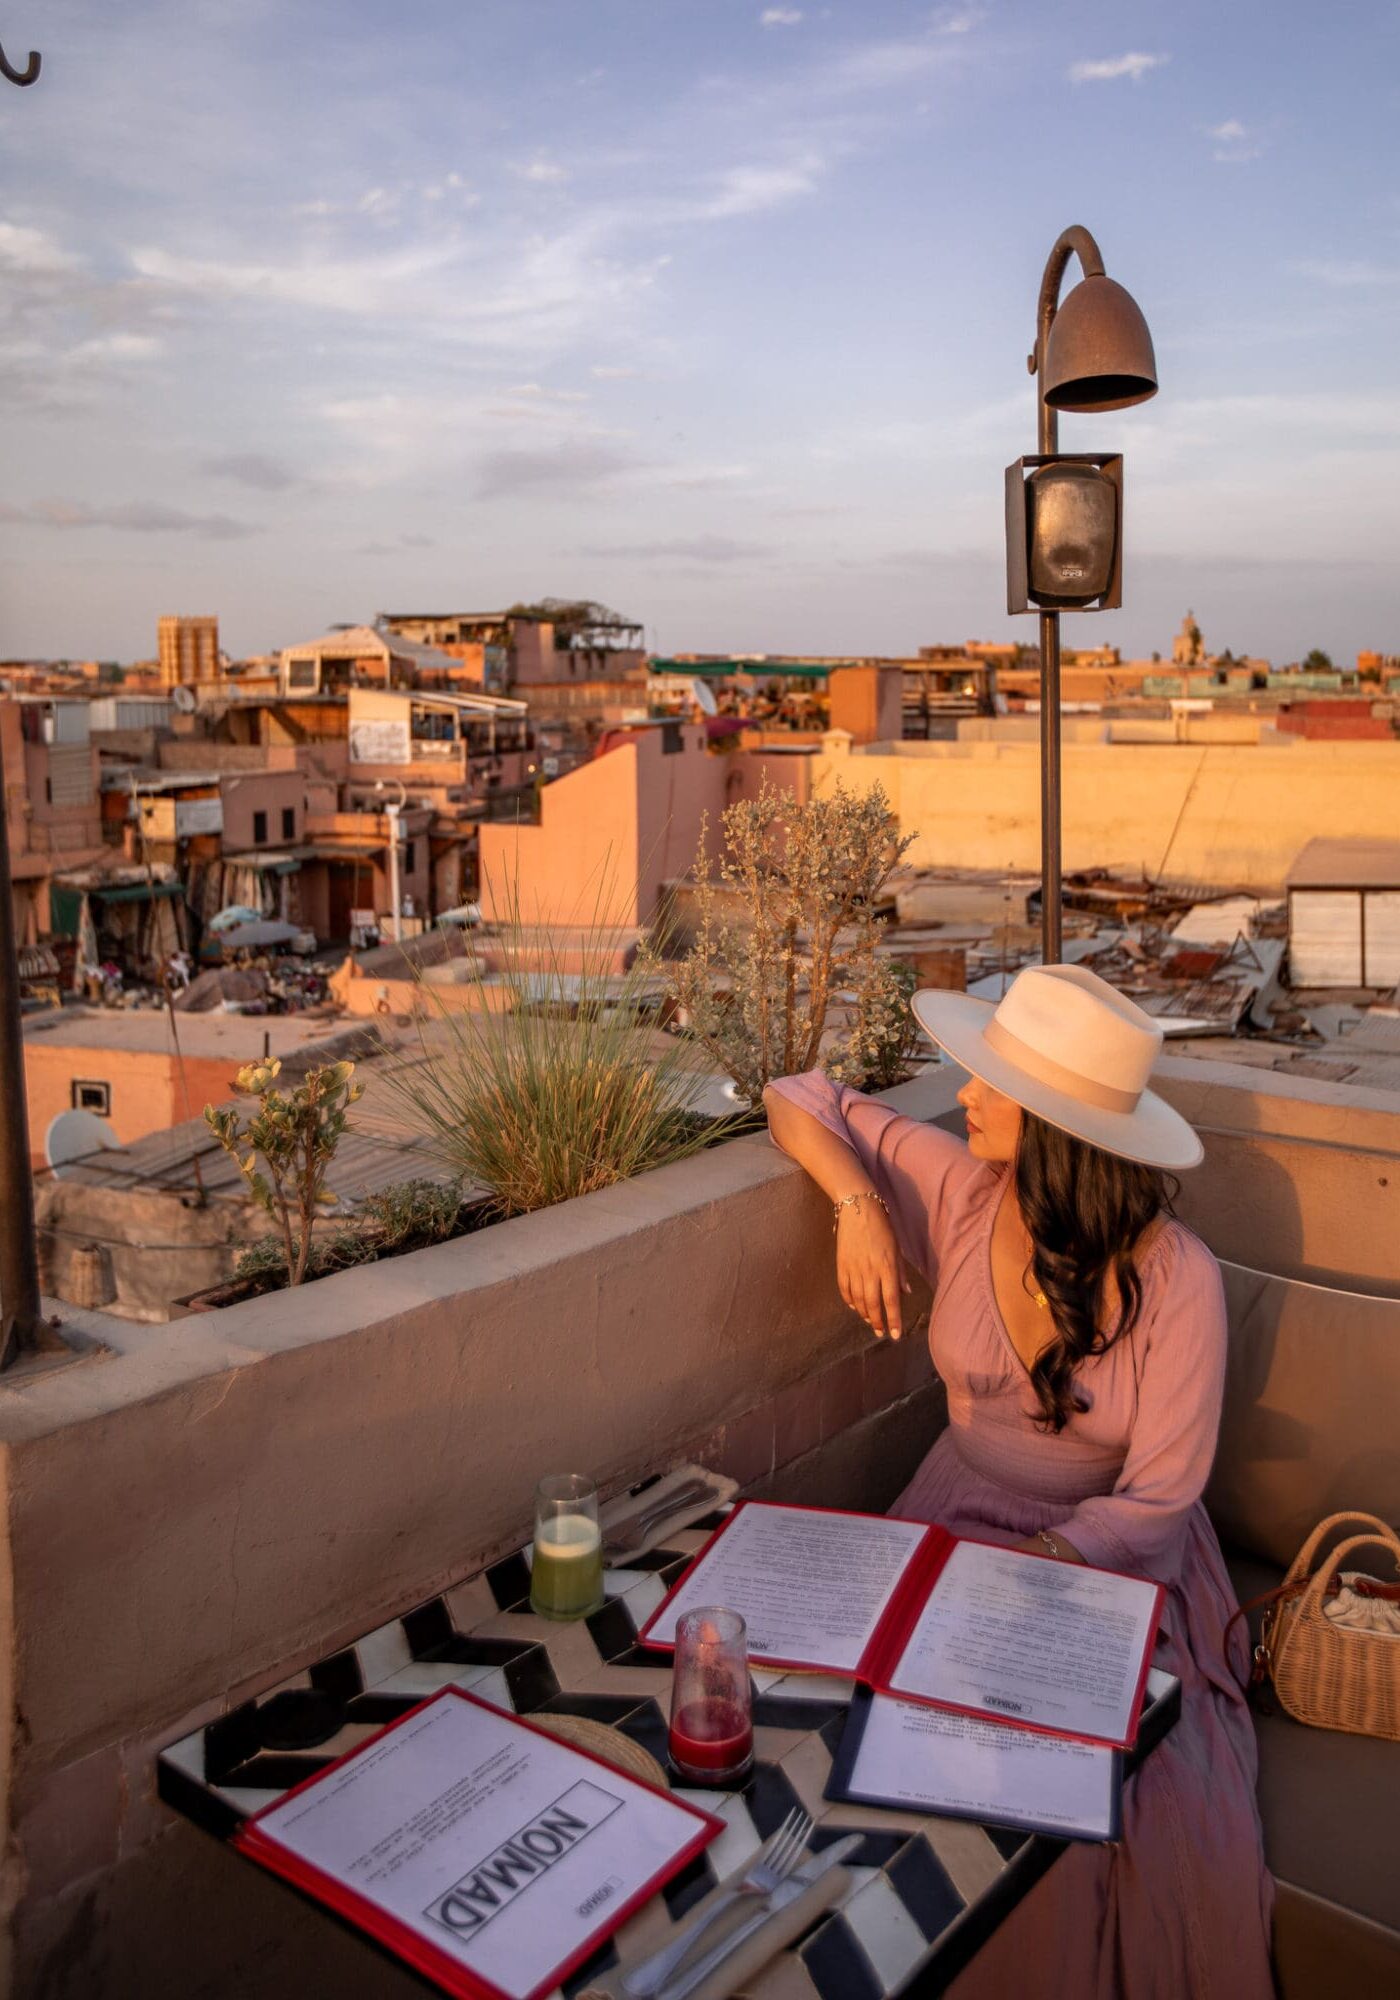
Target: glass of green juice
(566, 1568)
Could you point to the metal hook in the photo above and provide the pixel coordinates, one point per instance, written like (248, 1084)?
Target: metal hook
(29, 74)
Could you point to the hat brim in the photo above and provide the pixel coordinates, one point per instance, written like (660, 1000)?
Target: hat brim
(1152, 1133)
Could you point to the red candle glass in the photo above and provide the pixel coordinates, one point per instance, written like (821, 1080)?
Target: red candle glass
(711, 1741)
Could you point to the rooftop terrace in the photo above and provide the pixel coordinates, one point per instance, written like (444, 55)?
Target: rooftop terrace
(197, 1510)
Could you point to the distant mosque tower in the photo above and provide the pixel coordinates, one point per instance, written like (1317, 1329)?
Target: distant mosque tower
(1188, 647)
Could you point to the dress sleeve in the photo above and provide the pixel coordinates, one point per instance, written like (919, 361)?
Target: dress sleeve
(917, 1168)
(1141, 1525)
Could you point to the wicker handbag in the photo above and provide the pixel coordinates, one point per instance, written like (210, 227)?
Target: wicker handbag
(1329, 1639)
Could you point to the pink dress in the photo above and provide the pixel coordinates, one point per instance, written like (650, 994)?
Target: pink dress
(1181, 1907)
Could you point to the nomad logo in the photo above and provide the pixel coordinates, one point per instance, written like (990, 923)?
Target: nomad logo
(484, 1891)
(1000, 1701)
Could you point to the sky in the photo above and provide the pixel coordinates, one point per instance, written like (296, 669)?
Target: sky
(715, 312)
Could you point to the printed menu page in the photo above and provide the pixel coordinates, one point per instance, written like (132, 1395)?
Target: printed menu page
(812, 1586)
(932, 1761)
(470, 1842)
(1052, 1644)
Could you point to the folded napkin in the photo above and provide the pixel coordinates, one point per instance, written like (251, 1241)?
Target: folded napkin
(626, 1507)
(744, 1964)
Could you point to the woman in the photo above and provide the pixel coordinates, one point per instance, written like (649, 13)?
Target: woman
(1080, 1331)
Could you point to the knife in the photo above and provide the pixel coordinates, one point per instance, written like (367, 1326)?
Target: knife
(691, 1977)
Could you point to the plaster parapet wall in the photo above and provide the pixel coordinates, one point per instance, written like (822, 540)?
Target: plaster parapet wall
(229, 1496)
(1223, 815)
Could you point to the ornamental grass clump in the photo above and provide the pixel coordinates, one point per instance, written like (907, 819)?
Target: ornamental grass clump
(554, 1085)
(786, 927)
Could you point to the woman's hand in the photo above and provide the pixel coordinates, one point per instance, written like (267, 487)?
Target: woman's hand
(869, 1268)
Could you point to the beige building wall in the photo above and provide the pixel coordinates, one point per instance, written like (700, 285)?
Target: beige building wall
(1223, 815)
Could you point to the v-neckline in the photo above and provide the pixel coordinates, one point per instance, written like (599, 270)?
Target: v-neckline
(990, 1274)
(1160, 1228)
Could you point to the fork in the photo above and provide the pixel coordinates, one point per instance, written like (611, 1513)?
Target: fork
(771, 1867)
(629, 1535)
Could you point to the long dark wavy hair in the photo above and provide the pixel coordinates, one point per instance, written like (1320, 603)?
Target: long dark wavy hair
(1086, 1212)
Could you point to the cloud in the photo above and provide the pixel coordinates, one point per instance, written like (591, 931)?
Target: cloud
(1110, 68)
(133, 516)
(546, 172)
(24, 249)
(602, 372)
(417, 541)
(780, 17)
(252, 468)
(1235, 143)
(352, 285)
(535, 391)
(573, 465)
(696, 548)
(1345, 274)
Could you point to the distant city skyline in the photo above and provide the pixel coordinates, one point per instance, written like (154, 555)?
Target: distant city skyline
(716, 312)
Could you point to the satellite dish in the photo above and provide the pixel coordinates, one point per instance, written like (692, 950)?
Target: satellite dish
(703, 695)
(184, 699)
(77, 1135)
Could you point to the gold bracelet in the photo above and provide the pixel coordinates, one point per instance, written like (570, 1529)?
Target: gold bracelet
(1044, 1535)
(854, 1201)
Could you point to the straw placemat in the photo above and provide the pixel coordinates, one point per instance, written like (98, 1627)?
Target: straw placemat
(610, 1744)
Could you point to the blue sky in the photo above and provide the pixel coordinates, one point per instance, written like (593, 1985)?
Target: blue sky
(715, 311)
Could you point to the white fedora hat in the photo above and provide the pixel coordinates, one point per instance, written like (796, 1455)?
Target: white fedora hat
(1066, 1046)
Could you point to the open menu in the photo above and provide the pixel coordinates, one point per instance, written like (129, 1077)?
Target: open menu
(482, 1851)
(916, 1612)
(905, 1755)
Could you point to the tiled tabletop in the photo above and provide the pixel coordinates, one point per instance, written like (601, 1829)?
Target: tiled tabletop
(926, 1893)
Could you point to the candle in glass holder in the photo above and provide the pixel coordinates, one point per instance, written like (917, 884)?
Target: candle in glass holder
(566, 1566)
(711, 1740)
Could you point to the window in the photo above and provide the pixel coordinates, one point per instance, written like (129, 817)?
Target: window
(671, 739)
(289, 822)
(408, 859)
(260, 829)
(91, 1096)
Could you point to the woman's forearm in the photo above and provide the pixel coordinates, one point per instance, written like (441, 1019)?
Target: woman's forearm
(831, 1162)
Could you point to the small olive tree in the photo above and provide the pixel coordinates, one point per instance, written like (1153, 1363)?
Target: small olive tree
(786, 923)
(295, 1136)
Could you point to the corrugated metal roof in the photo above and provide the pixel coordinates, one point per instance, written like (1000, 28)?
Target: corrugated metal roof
(1347, 864)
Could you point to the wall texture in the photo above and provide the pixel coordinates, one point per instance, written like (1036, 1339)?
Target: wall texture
(1222, 815)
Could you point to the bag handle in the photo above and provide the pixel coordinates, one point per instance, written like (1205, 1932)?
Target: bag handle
(1317, 1586)
(1301, 1564)
(1322, 1584)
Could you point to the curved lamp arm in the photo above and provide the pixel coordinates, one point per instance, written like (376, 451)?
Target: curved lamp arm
(1074, 242)
(29, 74)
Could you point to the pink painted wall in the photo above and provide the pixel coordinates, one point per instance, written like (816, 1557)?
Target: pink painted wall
(269, 792)
(613, 831)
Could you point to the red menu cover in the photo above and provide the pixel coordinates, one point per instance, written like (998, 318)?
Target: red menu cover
(914, 1611)
(478, 1848)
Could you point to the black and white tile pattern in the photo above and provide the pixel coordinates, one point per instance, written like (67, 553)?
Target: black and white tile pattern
(926, 1892)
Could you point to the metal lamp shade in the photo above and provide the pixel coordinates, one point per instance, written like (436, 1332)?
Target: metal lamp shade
(1099, 354)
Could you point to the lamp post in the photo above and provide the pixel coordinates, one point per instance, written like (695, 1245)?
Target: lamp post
(1094, 352)
(22, 1325)
(391, 812)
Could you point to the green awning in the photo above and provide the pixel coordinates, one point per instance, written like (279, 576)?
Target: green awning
(138, 892)
(764, 670)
